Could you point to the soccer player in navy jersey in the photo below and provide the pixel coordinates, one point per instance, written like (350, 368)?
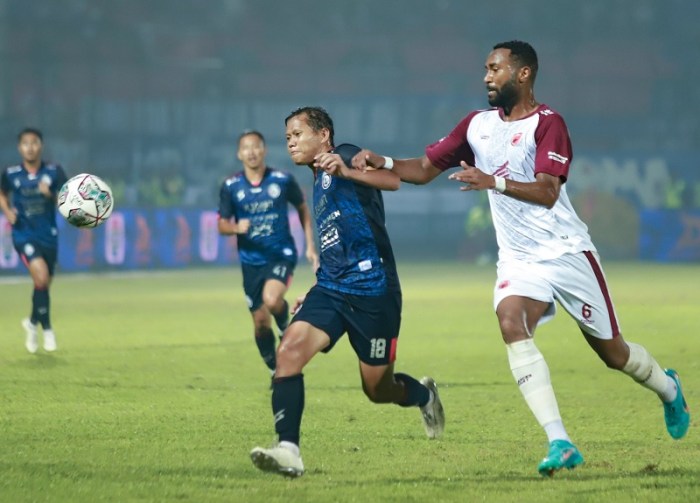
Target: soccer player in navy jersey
(28, 200)
(357, 292)
(520, 151)
(253, 205)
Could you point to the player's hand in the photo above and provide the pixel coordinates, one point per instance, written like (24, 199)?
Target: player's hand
(474, 178)
(366, 159)
(332, 164)
(12, 216)
(312, 257)
(242, 226)
(45, 185)
(297, 304)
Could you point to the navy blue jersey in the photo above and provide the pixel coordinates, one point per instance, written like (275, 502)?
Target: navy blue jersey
(356, 255)
(269, 238)
(36, 213)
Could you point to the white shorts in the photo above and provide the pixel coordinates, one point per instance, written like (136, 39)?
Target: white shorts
(576, 281)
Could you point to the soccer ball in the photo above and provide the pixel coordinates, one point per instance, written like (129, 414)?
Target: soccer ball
(85, 201)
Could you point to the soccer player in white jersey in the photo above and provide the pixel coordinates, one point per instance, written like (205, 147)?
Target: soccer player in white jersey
(520, 152)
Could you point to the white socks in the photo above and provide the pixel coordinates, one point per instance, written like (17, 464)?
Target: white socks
(642, 367)
(532, 375)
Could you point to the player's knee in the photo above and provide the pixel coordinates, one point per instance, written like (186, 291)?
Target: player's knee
(272, 300)
(40, 277)
(376, 393)
(512, 329)
(290, 354)
(41, 281)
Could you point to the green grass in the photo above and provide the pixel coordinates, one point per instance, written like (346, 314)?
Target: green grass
(157, 394)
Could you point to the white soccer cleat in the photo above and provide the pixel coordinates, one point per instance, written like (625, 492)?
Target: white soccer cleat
(279, 460)
(433, 413)
(49, 341)
(31, 342)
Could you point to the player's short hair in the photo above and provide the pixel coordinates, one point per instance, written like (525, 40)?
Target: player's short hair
(248, 132)
(30, 130)
(318, 119)
(523, 53)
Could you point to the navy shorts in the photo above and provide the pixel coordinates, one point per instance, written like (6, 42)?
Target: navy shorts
(371, 322)
(255, 277)
(30, 250)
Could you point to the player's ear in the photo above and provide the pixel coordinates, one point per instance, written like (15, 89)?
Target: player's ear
(326, 135)
(524, 74)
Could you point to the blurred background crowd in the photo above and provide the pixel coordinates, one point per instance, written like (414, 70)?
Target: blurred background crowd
(152, 94)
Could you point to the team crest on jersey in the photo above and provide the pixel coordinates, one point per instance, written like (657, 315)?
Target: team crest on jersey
(274, 191)
(240, 195)
(17, 183)
(516, 139)
(325, 180)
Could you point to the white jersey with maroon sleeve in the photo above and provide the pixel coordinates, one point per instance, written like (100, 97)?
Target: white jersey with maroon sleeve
(518, 150)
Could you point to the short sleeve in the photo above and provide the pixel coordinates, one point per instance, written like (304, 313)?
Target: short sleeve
(5, 182)
(553, 146)
(449, 151)
(226, 209)
(347, 151)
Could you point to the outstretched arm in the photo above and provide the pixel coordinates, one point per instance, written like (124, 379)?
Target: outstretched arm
(9, 212)
(418, 170)
(544, 191)
(381, 179)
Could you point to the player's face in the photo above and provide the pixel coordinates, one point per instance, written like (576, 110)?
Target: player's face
(30, 147)
(251, 152)
(303, 143)
(501, 79)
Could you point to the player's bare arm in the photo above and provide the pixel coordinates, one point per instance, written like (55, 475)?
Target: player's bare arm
(10, 213)
(381, 179)
(306, 224)
(544, 191)
(418, 170)
(229, 227)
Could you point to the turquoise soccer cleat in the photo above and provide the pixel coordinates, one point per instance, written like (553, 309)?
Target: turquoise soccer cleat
(676, 413)
(562, 454)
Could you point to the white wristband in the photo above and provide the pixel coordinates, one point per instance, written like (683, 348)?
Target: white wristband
(500, 183)
(388, 162)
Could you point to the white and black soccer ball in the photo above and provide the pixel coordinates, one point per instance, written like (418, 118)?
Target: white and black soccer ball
(85, 201)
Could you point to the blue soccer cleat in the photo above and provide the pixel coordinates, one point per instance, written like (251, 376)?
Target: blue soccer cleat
(562, 454)
(676, 413)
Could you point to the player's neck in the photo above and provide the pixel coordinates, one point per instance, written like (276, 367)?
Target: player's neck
(255, 175)
(523, 107)
(32, 166)
(520, 110)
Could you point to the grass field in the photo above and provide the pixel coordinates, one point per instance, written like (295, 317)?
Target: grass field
(157, 394)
